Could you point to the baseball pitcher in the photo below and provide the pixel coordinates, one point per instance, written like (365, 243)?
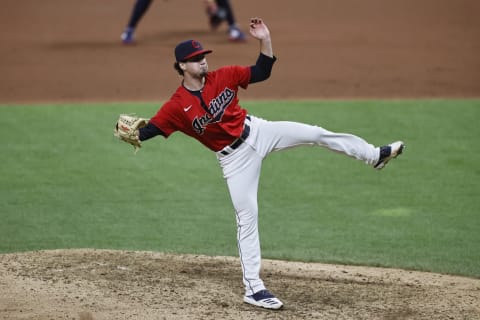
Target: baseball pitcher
(206, 107)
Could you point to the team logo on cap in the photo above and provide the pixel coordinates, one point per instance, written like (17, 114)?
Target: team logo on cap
(196, 44)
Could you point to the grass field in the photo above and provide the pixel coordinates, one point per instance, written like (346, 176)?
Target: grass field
(66, 182)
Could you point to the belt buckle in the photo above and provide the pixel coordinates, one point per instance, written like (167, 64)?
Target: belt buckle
(226, 151)
(238, 142)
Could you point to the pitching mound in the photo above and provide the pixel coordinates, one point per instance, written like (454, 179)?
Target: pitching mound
(105, 284)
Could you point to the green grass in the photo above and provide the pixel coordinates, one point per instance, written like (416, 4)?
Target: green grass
(66, 182)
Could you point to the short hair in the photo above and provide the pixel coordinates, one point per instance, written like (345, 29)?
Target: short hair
(176, 66)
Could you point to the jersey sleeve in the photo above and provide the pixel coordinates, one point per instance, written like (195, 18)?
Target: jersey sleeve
(238, 75)
(165, 119)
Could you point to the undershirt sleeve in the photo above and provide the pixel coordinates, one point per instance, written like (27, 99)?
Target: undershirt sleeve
(262, 69)
(149, 131)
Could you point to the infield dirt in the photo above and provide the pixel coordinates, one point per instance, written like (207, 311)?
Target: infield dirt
(65, 50)
(70, 51)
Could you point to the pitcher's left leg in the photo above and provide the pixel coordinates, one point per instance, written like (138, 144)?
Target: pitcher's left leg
(287, 134)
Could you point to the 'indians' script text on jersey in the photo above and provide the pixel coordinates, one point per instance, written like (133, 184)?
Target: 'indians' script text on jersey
(213, 115)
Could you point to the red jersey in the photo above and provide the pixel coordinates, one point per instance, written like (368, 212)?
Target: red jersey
(217, 119)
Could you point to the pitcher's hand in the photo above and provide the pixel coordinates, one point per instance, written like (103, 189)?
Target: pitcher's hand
(258, 29)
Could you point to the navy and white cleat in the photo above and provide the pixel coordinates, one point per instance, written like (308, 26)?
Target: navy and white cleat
(264, 299)
(388, 153)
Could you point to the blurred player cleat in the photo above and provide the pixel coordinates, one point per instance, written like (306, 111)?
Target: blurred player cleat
(264, 299)
(388, 153)
(128, 36)
(236, 35)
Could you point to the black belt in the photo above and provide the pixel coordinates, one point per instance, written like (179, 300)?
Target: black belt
(238, 142)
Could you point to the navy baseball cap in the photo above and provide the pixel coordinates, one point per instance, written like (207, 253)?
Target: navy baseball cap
(189, 49)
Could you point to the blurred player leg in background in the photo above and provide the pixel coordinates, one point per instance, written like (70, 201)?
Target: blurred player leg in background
(219, 11)
(139, 9)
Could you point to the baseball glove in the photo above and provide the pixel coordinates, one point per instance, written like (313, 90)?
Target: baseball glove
(127, 127)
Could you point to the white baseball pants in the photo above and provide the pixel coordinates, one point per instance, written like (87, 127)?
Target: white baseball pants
(242, 167)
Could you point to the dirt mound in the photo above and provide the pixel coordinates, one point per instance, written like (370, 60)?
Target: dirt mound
(104, 284)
